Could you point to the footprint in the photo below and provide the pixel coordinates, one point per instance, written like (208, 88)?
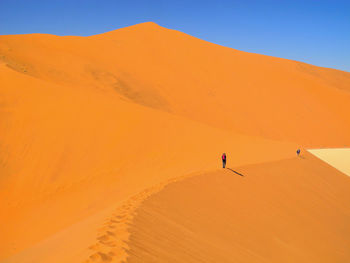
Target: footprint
(110, 233)
(100, 256)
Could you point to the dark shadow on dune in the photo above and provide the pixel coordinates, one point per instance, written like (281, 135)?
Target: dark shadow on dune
(234, 171)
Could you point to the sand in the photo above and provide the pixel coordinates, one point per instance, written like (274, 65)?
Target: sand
(274, 212)
(170, 71)
(91, 127)
(66, 164)
(338, 158)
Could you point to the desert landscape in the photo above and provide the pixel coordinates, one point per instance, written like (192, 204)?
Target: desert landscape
(110, 150)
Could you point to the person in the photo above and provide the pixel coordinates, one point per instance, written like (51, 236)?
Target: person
(223, 157)
(298, 152)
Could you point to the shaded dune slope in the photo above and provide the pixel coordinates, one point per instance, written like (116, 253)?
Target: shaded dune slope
(294, 210)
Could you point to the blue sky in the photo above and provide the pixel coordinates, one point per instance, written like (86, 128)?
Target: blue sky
(316, 32)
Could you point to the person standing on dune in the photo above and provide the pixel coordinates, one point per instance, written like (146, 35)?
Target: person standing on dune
(223, 157)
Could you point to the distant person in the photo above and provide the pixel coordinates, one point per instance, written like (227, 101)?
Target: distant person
(298, 152)
(223, 157)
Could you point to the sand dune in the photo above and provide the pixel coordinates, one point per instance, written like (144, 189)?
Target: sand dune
(171, 71)
(89, 123)
(293, 210)
(71, 153)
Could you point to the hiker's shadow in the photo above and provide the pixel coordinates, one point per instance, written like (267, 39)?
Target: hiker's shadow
(235, 171)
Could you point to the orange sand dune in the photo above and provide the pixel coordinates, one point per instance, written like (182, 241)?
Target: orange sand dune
(171, 71)
(88, 123)
(68, 153)
(294, 210)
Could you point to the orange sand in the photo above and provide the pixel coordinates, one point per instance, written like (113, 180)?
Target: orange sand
(295, 210)
(89, 122)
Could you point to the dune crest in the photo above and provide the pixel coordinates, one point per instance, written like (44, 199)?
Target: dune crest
(87, 123)
(174, 72)
(292, 210)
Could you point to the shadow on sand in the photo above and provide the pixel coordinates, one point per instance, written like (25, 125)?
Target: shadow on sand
(234, 171)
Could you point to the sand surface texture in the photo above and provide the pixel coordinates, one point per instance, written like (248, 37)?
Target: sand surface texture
(91, 127)
(271, 212)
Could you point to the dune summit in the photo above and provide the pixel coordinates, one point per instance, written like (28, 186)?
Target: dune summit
(174, 72)
(93, 128)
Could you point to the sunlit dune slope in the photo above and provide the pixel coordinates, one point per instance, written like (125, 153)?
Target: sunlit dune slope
(295, 210)
(67, 153)
(171, 71)
(338, 158)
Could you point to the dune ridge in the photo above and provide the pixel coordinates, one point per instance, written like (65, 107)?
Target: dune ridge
(63, 164)
(272, 212)
(168, 70)
(87, 123)
(112, 241)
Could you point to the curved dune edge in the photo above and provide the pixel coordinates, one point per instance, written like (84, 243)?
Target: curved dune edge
(65, 164)
(113, 237)
(294, 210)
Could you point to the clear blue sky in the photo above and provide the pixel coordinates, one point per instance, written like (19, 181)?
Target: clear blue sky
(312, 31)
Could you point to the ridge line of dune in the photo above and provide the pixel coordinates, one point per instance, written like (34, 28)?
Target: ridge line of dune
(279, 209)
(112, 240)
